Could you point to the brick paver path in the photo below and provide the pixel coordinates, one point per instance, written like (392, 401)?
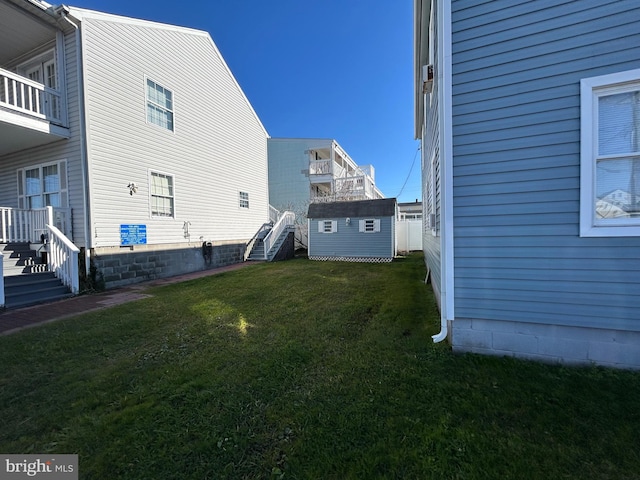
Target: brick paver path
(13, 320)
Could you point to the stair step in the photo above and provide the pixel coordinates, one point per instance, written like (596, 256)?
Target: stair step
(26, 302)
(29, 279)
(30, 289)
(18, 258)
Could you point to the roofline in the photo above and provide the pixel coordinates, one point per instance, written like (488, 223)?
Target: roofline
(305, 138)
(421, 17)
(81, 14)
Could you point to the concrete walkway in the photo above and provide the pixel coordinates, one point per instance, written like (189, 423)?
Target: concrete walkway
(14, 320)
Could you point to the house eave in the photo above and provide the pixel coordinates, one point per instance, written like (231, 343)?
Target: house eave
(421, 15)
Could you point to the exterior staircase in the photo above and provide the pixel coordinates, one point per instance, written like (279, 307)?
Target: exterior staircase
(27, 280)
(274, 240)
(258, 253)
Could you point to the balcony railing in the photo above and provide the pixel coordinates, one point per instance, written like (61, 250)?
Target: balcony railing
(23, 95)
(20, 225)
(320, 167)
(348, 188)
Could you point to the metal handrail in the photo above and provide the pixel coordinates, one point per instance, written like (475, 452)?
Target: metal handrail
(252, 242)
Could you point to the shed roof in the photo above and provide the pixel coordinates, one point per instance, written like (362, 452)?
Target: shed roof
(384, 207)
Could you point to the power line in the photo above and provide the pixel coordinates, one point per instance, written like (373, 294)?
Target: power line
(409, 174)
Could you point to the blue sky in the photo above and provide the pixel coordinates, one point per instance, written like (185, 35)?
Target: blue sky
(337, 69)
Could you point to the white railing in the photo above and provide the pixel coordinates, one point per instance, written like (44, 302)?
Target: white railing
(320, 167)
(20, 225)
(26, 96)
(286, 220)
(62, 258)
(1, 281)
(274, 214)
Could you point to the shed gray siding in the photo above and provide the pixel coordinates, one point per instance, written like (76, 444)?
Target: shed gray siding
(348, 242)
(516, 133)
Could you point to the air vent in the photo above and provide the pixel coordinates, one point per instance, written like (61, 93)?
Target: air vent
(427, 78)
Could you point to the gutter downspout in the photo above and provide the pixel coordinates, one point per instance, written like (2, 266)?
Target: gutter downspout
(447, 287)
(444, 331)
(63, 11)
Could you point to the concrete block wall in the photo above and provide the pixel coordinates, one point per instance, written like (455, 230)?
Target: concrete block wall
(126, 266)
(547, 343)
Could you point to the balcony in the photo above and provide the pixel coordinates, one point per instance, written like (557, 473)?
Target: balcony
(324, 171)
(31, 114)
(33, 103)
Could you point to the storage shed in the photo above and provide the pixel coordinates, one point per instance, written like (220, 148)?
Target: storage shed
(357, 231)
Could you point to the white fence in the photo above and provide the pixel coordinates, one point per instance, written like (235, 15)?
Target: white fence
(409, 235)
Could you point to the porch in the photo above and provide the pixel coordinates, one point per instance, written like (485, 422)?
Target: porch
(25, 234)
(33, 104)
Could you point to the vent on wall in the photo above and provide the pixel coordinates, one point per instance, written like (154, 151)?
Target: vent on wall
(427, 78)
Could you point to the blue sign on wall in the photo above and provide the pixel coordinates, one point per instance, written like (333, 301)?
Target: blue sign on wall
(133, 234)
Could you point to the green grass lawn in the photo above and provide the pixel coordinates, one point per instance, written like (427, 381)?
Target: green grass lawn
(304, 370)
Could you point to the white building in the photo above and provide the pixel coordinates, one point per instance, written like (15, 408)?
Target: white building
(135, 132)
(311, 170)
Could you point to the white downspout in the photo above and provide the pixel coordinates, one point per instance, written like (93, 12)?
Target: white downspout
(63, 11)
(446, 186)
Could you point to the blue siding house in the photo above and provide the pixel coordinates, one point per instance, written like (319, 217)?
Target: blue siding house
(529, 118)
(356, 231)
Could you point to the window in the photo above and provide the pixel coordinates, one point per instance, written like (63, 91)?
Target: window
(369, 225)
(162, 195)
(244, 199)
(327, 226)
(159, 105)
(610, 155)
(43, 186)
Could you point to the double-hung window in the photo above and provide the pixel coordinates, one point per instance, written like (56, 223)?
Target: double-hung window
(43, 185)
(610, 155)
(243, 199)
(162, 195)
(159, 105)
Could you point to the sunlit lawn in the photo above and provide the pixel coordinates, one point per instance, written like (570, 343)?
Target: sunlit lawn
(304, 370)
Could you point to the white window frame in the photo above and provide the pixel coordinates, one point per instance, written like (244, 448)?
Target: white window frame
(150, 103)
(63, 189)
(327, 226)
(152, 213)
(369, 225)
(243, 200)
(591, 89)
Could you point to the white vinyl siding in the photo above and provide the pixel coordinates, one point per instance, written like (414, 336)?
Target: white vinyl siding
(159, 105)
(218, 147)
(162, 195)
(610, 155)
(327, 226)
